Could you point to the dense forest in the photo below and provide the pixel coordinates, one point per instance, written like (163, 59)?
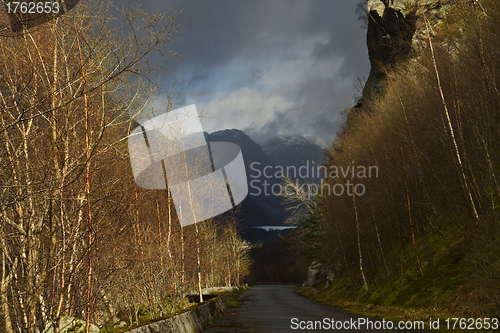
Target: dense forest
(78, 237)
(434, 205)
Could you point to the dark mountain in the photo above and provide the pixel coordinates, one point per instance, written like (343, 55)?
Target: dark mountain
(293, 150)
(255, 159)
(252, 152)
(253, 215)
(263, 205)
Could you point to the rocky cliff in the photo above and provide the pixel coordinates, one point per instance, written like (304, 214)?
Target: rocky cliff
(397, 32)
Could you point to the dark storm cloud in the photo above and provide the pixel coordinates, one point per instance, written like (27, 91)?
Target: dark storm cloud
(268, 66)
(197, 79)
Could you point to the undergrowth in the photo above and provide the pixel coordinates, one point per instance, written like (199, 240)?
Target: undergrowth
(448, 288)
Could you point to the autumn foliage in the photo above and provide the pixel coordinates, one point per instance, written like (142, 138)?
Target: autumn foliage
(77, 236)
(434, 136)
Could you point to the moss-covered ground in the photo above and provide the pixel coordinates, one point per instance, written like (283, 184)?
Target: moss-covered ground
(446, 290)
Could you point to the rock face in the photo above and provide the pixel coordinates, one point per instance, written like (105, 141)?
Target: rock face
(318, 273)
(188, 322)
(396, 32)
(313, 274)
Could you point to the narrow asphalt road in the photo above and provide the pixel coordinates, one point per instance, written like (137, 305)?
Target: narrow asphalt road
(276, 308)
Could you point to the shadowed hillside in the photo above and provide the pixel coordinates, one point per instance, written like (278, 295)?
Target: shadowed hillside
(423, 232)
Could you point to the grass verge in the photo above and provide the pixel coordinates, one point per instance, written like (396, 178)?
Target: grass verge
(446, 290)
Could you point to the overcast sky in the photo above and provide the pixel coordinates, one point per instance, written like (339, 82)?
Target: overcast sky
(268, 67)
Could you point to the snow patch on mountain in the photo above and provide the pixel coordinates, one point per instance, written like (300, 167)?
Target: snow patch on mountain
(293, 150)
(286, 142)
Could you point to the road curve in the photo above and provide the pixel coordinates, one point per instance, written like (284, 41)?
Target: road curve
(272, 308)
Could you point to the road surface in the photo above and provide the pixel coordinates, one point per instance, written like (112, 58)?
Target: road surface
(276, 308)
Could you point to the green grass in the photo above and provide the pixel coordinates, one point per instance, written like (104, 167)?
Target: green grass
(233, 298)
(446, 290)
